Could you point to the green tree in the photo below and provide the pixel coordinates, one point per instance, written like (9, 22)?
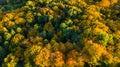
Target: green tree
(2, 53)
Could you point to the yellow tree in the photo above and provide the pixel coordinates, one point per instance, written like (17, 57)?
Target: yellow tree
(113, 2)
(57, 59)
(93, 52)
(71, 58)
(17, 39)
(30, 53)
(10, 61)
(104, 3)
(43, 58)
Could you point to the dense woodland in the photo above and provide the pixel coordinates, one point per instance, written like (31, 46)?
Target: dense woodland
(59, 33)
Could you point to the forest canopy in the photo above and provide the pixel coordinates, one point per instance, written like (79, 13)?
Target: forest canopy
(59, 33)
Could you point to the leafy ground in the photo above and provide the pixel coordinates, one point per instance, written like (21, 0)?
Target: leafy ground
(60, 33)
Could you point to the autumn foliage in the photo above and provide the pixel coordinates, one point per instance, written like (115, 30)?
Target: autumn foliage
(60, 33)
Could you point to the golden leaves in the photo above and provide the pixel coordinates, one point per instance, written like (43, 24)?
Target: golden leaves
(31, 3)
(55, 8)
(10, 61)
(7, 36)
(93, 12)
(29, 17)
(104, 3)
(10, 24)
(43, 58)
(10, 15)
(20, 20)
(118, 32)
(3, 29)
(72, 2)
(100, 27)
(72, 57)
(75, 28)
(48, 26)
(57, 59)
(71, 62)
(5, 19)
(93, 52)
(113, 2)
(17, 38)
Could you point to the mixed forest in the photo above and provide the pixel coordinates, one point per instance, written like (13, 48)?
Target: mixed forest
(59, 33)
